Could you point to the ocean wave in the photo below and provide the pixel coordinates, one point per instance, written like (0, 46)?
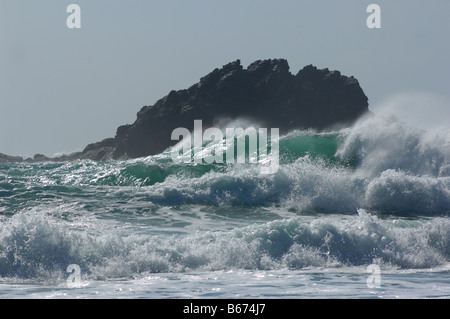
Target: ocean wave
(377, 144)
(34, 246)
(378, 164)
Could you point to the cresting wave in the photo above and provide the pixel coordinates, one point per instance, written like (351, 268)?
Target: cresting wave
(33, 246)
(343, 194)
(379, 164)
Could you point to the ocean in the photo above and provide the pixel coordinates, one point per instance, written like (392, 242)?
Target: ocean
(359, 212)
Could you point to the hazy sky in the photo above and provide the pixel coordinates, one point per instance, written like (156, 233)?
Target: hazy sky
(61, 88)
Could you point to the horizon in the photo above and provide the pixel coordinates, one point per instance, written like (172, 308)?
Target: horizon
(62, 89)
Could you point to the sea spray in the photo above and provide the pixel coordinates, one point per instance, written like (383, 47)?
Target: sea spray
(378, 165)
(34, 246)
(341, 199)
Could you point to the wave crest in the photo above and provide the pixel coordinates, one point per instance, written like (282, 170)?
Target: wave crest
(35, 247)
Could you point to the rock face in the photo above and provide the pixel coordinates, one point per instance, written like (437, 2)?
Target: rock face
(10, 159)
(265, 92)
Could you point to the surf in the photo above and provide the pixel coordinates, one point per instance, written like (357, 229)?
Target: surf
(379, 164)
(36, 246)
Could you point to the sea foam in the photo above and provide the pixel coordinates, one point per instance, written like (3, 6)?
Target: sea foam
(34, 246)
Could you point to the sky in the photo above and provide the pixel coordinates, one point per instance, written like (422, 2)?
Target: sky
(62, 88)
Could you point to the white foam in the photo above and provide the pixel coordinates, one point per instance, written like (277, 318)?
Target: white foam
(39, 247)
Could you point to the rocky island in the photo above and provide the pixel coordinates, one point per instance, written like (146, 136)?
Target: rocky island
(265, 92)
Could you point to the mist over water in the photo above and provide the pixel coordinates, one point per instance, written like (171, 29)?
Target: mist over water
(422, 110)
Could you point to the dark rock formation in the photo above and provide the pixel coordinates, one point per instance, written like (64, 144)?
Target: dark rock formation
(265, 92)
(10, 159)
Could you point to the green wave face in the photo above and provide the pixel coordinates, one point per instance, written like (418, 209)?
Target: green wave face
(376, 192)
(383, 167)
(302, 144)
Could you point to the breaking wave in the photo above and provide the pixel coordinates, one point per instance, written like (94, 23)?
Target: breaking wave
(34, 246)
(378, 192)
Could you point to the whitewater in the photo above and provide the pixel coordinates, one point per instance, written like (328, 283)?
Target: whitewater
(377, 193)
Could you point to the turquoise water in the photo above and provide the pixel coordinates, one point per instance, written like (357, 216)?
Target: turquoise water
(375, 194)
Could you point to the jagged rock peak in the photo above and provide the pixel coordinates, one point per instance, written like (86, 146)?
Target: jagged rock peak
(265, 91)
